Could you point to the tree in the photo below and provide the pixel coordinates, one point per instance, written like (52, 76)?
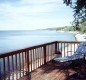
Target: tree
(79, 7)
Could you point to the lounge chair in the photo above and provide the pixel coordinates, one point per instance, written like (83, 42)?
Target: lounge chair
(78, 54)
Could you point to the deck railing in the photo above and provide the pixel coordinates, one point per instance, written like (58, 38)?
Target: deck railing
(16, 64)
(67, 48)
(19, 63)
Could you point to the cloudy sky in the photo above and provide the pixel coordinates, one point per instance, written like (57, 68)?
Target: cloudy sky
(34, 14)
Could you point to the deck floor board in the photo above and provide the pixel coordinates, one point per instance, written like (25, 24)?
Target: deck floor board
(53, 71)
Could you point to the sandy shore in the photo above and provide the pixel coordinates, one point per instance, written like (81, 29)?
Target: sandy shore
(80, 37)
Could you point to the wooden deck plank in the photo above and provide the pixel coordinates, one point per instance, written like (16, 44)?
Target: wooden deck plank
(52, 71)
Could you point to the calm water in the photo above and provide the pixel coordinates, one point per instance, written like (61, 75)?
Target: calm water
(13, 40)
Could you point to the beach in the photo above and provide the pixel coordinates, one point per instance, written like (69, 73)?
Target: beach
(80, 37)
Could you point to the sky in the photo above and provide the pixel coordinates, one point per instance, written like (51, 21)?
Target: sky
(34, 14)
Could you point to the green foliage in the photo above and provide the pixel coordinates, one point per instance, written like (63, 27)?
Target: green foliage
(68, 28)
(79, 7)
(57, 28)
(76, 28)
(83, 29)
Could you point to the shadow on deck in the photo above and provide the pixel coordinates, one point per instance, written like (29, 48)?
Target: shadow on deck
(55, 71)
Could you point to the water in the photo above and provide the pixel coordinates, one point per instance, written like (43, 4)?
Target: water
(14, 40)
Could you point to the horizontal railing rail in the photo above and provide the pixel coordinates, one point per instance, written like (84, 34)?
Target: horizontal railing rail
(21, 50)
(16, 64)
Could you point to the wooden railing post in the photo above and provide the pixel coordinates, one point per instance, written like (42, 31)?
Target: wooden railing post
(0, 70)
(44, 54)
(27, 61)
(55, 47)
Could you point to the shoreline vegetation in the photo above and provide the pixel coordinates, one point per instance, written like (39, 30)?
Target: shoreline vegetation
(79, 31)
(80, 35)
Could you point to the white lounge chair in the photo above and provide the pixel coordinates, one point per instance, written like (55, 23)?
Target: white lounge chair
(78, 54)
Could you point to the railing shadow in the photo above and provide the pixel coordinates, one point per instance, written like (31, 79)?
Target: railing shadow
(72, 72)
(26, 77)
(80, 72)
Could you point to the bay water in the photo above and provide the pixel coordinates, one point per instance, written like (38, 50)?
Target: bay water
(15, 40)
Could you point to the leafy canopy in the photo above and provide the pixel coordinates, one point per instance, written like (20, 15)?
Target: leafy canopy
(79, 7)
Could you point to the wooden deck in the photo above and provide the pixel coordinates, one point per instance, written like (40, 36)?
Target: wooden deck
(16, 64)
(54, 71)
